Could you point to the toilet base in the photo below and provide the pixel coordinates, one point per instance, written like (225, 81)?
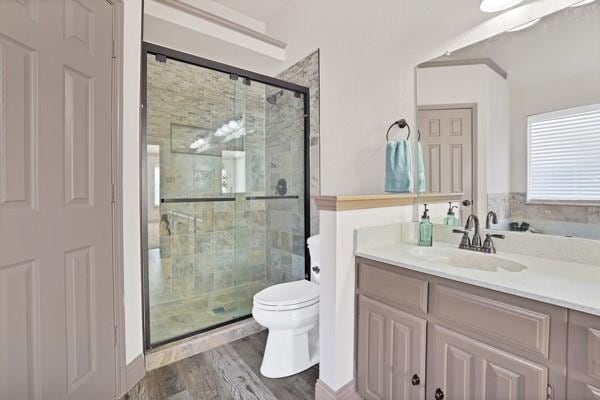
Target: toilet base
(290, 351)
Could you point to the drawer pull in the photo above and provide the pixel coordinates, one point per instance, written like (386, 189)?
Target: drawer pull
(415, 380)
(439, 394)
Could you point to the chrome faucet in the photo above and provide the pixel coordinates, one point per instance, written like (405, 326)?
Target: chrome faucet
(474, 244)
(490, 219)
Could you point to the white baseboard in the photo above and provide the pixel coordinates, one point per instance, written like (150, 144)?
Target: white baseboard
(135, 371)
(346, 392)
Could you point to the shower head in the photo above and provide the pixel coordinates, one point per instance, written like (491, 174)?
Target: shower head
(272, 99)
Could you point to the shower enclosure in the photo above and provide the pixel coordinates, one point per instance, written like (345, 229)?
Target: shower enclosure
(224, 190)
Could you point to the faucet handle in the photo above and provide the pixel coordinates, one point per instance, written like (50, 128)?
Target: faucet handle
(465, 242)
(488, 244)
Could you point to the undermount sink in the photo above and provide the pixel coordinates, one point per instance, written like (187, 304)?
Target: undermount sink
(466, 259)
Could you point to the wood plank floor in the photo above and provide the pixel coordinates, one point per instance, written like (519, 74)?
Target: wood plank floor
(227, 372)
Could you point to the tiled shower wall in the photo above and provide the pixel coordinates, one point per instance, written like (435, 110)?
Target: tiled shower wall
(285, 217)
(210, 246)
(306, 73)
(284, 156)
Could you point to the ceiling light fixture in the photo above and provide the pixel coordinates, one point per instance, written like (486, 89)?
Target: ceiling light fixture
(524, 26)
(492, 6)
(582, 3)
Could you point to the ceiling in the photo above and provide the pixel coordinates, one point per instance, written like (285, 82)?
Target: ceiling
(262, 10)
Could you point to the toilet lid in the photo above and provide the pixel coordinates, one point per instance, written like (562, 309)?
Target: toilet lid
(289, 293)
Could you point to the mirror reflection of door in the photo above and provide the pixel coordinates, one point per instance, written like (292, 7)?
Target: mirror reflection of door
(446, 139)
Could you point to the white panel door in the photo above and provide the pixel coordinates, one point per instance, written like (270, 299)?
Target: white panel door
(56, 266)
(446, 139)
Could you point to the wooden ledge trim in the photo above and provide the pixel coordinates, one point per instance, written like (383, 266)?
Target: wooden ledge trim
(365, 201)
(439, 197)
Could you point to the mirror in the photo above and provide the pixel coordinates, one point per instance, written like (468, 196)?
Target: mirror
(513, 122)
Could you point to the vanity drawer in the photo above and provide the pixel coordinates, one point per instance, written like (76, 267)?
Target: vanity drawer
(520, 323)
(393, 287)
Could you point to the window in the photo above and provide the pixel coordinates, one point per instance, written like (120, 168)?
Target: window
(564, 155)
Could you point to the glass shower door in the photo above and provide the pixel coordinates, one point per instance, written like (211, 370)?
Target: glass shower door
(225, 199)
(270, 224)
(194, 148)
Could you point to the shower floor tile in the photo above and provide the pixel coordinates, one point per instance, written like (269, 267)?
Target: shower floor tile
(176, 318)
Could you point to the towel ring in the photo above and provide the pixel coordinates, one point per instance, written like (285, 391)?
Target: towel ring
(419, 136)
(401, 124)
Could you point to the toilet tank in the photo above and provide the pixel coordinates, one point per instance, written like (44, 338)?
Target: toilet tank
(314, 248)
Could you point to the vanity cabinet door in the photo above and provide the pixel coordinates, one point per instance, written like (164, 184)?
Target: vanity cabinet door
(459, 367)
(391, 352)
(583, 374)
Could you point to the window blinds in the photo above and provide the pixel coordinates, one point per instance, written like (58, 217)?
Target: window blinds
(564, 155)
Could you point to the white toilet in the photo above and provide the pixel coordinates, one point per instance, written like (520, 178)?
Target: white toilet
(290, 311)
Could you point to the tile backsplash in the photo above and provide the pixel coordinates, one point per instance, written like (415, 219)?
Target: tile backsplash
(514, 206)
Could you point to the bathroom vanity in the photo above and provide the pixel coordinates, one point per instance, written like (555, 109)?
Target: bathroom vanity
(434, 324)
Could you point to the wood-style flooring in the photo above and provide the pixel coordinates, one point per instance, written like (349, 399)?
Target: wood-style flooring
(227, 372)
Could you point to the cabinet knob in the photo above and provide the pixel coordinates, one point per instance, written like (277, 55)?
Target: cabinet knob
(415, 380)
(439, 394)
(466, 203)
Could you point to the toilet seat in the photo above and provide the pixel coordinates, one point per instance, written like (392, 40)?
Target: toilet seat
(287, 296)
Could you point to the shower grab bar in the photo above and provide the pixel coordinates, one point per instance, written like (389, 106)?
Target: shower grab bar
(197, 200)
(272, 197)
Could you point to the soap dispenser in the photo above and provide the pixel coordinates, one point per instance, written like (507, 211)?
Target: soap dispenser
(425, 229)
(451, 219)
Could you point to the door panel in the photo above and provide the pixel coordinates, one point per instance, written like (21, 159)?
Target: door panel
(584, 357)
(464, 368)
(371, 352)
(459, 368)
(391, 352)
(405, 353)
(446, 138)
(56, 268)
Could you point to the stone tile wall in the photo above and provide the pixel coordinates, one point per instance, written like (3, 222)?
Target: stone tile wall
(285, 159)
(306, 73)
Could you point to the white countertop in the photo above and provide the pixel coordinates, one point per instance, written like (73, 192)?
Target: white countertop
(566, 284)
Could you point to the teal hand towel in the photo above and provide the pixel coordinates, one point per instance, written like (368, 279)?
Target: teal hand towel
(398, 167)
(421, 183)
